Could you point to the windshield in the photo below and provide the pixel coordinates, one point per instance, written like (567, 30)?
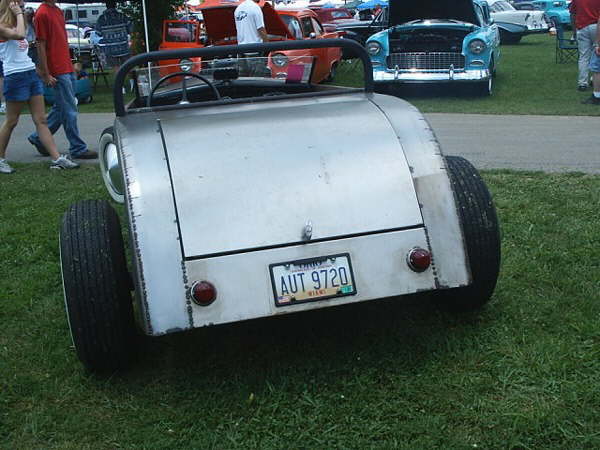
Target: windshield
(293, 25)
(181, 32)
(73, 33)
(341, 15)
(501, 6)
(278, 69)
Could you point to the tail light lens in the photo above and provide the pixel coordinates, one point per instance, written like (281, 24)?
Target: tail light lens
(203, 293)
(419, 259)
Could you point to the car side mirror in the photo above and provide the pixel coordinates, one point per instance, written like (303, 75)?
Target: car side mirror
(312, 35)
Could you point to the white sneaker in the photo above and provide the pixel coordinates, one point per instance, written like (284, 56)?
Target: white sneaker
(5, 167)
(62, 162)
(2, 108)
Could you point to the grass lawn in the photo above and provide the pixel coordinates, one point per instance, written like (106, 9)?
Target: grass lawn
(522, 373)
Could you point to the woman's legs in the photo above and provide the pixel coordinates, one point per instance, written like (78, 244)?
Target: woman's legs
(38, 114)
(13, 111)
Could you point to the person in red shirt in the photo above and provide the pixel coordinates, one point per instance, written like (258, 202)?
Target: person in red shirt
(584, 19)
(56, 70)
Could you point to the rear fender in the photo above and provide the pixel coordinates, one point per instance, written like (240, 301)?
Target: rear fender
(433, 189)
(153, 236)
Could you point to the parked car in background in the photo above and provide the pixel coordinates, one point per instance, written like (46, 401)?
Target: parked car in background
(334, 16)
(87, 27)
(286, 24)
(557, 12)
(304, 24)
(79, 46)
(437, 41)
(514, 24)
(361, 30)
(179, 34)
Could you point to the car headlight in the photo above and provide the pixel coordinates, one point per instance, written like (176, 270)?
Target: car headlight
(186, 65)
(279, 59)
(373, 48)
(477, 46)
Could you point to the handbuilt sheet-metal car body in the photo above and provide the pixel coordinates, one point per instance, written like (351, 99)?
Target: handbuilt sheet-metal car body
(249, 197)
(437, 41)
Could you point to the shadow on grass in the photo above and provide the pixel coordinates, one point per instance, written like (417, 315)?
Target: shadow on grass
(433, 91)
(388, 336)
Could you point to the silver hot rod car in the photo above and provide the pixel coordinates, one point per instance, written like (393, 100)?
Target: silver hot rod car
(250, 192)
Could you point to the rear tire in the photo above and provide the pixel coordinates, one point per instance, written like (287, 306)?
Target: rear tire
(331, 75)
(96, 285)
(481, 232)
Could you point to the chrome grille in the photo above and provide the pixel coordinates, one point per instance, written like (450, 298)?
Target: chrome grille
(432, 61)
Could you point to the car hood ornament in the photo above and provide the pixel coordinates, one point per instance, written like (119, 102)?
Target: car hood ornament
(308, 229)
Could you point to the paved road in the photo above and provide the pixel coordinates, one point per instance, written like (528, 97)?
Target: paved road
(547, 143)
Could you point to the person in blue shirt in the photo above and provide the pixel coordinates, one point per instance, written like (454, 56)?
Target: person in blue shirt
(114, 28)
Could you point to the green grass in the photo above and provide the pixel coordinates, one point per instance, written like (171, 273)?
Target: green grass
(528, 81)
(522, 373)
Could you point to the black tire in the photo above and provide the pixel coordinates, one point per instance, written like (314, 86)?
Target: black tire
(485, 88)
(507, 38)
(481, 230)
(331, 75)
(96, 285)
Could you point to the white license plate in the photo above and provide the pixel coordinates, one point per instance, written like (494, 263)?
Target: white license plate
(312, 279)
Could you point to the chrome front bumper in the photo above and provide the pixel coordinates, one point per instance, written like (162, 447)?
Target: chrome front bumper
(390, 75)
(537, 30)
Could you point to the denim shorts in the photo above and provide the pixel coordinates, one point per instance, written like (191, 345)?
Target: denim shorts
(595, 62)
(21, 86)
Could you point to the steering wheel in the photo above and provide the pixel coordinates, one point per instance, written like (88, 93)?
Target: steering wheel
(184, 87)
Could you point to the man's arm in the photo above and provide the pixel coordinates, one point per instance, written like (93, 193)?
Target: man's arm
(597, 44)
(42, 67)
(263, 34)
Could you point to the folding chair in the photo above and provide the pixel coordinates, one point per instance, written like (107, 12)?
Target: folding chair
(97, 68)
(566, 48)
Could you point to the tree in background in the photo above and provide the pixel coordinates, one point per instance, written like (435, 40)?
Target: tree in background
(157, 11)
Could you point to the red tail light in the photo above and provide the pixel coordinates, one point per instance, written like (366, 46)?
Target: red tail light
(419, 259)
(203, 293)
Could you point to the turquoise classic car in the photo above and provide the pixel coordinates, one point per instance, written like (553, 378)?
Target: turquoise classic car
(437, 41)
(557, 11)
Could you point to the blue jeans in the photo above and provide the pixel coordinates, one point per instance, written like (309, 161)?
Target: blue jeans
(64, 112)
(585, 41)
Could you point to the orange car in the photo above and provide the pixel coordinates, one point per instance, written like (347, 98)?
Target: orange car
(305, 24)
(219, 29)
(179, 34)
